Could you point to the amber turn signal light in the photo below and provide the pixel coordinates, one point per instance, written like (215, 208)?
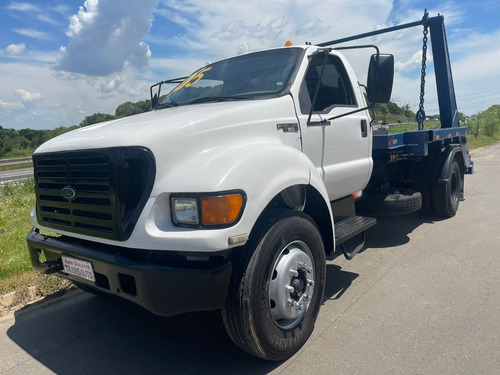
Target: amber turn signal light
(221, 210)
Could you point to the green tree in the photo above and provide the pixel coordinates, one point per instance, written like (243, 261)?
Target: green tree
(125, 109)
(96, 118)
(408, 113)
(129, 108)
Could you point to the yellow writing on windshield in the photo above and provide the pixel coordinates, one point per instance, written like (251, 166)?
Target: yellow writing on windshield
(191, 80)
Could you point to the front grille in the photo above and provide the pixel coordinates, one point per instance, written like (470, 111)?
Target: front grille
(96, 192)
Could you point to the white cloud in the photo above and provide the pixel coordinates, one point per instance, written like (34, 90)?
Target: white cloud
(61, 9)
(167, 68)
(11, 105)
(413, 63)
(243, 48)
(83, 17)
(28, 56)
(315, 26)
(123, 83)
(23, 7)
(36, 12)
(174, 17)
(222, 28)
(32, 33)
(105, 38)
(478, 41)
(47, 19)
(54, 95)
(27, 96)
(15, 49)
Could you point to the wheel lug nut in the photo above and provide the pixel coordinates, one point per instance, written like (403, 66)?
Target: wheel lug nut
(290, 289)
(310, 282)
(307, 297)
(304, 266)
(290, 302)
(299, 306)
(293, 272)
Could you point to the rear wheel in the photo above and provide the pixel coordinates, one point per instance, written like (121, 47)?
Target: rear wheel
(447, 195)
(427, 199)
(277, 290)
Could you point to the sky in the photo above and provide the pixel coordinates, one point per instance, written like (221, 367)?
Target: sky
(61, 60)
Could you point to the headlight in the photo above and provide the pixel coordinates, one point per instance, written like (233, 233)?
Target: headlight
(207, 210)
(185, 211)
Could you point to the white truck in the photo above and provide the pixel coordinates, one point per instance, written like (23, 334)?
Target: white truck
(232, 192)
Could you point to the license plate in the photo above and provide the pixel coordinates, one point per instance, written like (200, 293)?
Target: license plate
(78, 267)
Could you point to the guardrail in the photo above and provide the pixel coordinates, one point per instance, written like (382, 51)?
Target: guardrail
(15, 162)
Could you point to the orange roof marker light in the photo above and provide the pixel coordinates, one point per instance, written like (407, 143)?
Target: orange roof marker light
(288, 43)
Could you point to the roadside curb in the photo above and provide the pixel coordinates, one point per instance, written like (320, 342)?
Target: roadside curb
(8, 305)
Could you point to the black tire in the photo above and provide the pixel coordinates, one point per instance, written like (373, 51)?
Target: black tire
(446, 196)
(392, 203)
(427, 199)
(272, 304)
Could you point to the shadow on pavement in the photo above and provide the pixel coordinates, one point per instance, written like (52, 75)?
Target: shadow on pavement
(337, 282)
(393, 231)
(89, 334)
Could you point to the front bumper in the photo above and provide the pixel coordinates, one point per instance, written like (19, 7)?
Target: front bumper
(165, 286)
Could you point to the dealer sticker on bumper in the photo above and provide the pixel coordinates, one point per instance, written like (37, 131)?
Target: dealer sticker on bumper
(78, 267)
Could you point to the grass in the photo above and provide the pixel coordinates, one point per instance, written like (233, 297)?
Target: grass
(16, 271)
(482, 140)
(43, 286)
(17, 201)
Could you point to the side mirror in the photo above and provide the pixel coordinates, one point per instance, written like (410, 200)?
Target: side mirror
(156, 97)
(154, 101)
(380, 78)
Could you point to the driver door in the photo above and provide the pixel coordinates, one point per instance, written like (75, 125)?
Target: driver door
(340, 150)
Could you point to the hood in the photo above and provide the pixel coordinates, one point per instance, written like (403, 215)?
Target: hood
(184, 139)
(156, 128)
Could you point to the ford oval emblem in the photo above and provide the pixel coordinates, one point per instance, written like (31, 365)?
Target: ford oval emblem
(68, 192)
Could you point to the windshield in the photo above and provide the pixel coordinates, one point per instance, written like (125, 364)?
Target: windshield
(256, 75)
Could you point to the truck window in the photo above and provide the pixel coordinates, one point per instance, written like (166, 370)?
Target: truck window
(334, 90)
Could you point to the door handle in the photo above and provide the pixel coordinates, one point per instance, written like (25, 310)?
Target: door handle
(364, 128)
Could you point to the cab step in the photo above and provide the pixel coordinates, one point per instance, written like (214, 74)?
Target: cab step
(350, 227)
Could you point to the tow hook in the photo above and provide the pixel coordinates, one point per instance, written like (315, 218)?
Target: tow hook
(54, 266)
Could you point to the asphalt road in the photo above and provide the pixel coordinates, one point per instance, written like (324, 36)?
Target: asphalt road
(16, 174)
(423, 298)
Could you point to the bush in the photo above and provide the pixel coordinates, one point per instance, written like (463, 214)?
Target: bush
(19, 188)
(491, 127)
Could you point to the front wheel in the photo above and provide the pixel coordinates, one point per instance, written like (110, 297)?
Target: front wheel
(278, 286)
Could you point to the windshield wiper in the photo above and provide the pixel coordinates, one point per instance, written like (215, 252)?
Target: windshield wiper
(216, 99)
(167, 105)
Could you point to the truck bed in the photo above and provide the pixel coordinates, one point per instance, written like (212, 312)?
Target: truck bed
(415, 143)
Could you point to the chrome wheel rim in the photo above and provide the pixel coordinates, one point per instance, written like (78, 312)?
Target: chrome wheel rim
(291, 286)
